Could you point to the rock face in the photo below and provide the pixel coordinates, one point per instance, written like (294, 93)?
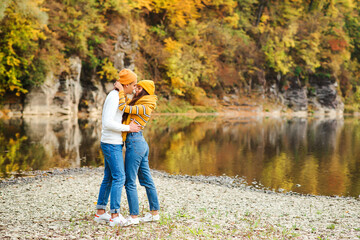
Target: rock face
(95, 90)
(93, 97)
(296, 99)
(124, 56)
(321, 96)
(79, 89)
(324, 96)
(58, 95)
(295, 96)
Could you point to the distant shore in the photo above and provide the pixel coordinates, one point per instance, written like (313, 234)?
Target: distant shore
(60, 205)
(227, 113)
(243, 110)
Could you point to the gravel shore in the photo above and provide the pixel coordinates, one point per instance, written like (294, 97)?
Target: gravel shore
(62, 206)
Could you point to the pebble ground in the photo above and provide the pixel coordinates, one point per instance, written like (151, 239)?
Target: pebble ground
(61, 205)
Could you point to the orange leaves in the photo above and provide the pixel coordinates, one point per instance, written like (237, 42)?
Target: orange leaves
(337, 44)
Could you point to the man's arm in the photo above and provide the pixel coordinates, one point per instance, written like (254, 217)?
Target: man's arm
(109, 116)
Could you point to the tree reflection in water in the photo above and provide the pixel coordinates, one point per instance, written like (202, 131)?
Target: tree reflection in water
(305, 155)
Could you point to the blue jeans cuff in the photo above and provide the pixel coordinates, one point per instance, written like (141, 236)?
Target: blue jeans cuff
(115, 210)
(101, 207)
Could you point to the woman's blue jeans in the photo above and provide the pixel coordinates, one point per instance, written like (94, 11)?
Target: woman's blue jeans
(114, 177)
(137, 164)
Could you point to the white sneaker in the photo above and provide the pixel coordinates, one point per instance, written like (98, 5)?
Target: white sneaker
(105, 217)
(131, 221)
(150, 218)
(119, 220)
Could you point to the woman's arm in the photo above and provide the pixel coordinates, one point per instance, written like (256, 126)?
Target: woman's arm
(134, 109)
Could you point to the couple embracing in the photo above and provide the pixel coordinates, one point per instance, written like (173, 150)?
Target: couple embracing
(122, 123)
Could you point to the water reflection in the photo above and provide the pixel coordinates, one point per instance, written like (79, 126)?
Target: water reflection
(315, 156)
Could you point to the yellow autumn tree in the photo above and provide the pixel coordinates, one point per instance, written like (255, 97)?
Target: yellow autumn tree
(21, 28)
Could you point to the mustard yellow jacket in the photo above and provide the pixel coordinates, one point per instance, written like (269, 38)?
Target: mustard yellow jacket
(140, 112)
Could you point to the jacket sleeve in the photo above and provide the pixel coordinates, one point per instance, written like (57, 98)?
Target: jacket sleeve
(134, 109)
(109, 116)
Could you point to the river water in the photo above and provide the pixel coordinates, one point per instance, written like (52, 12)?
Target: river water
(318, 156)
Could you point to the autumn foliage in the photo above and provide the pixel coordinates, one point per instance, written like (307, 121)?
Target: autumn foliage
(193, 49)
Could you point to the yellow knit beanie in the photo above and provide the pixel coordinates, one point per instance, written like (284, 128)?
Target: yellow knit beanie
(148, 85)
(126, 76)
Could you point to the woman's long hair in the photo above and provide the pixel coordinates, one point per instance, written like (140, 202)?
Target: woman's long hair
(134, 100)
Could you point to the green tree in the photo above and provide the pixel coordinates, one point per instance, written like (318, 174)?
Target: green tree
(21, 29)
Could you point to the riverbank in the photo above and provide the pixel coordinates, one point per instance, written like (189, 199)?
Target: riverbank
(61, 206)
(230, 107)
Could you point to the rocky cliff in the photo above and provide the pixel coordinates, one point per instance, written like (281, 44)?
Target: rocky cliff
(320, 96)
(77, 90)
(58, 95)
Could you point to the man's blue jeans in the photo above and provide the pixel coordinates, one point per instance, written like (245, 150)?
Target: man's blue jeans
(114, 177)
(137, 164)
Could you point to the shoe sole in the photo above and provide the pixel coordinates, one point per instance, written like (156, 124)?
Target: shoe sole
(116, 224)
(101, 221)
(130, 225)
(152, 220)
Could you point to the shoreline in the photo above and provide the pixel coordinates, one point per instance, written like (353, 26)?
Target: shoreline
(232, 111)
(225, 115)
(61, 206)
(224, 180)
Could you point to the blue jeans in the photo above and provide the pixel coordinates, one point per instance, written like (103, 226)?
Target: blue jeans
(114, 177)
(137, 164)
